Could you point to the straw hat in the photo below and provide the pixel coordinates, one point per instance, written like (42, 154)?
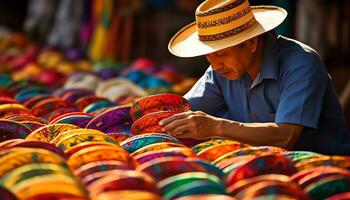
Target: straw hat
(115, 88)
(223, 23)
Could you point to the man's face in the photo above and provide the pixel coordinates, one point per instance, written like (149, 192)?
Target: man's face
(231, 62)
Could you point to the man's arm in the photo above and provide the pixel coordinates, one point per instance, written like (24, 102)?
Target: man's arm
(201, 125)
(282, 135)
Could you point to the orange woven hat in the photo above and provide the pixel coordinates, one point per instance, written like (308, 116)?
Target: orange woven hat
(223, 23)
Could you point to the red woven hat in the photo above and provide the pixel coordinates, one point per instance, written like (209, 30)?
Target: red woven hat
(158, 102)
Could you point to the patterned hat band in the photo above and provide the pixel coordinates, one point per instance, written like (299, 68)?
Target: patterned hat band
(223, 20)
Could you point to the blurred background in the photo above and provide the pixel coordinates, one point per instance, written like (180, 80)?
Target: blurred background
(124, 30)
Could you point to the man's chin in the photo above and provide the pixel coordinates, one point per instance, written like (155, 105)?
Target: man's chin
(231, 76)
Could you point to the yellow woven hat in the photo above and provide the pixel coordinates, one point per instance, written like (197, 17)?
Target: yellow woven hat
(223, 23)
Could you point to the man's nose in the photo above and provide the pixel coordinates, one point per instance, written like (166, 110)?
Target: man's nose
(216, 67)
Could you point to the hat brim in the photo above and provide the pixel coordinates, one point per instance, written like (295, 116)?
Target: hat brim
(186, 43)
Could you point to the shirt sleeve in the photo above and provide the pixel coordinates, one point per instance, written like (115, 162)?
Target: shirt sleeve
(302, 92)
(206, 96)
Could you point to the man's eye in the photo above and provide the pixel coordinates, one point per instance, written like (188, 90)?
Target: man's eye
(220, 53)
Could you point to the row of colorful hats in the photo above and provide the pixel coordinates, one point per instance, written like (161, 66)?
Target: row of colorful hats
(208, 149)
(53, 68)
(237, 160)
(84, 109)
(36, 170)
(178, 171)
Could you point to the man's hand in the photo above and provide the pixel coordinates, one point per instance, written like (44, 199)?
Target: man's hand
(191, 124)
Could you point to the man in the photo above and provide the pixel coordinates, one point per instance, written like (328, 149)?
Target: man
(261, 89)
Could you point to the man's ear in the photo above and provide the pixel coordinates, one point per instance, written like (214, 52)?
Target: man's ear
(252, 44)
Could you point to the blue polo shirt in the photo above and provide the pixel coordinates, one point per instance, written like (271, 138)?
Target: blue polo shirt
(293, 86)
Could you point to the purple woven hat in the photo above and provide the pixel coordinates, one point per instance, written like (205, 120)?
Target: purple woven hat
(114, 120)
(11, 129)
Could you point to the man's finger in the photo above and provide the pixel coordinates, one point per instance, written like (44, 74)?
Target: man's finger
(174, 124)
(181, 129)
(186, 134)
(174, 117)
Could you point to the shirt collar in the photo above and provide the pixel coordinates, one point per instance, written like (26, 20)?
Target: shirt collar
(269, 65)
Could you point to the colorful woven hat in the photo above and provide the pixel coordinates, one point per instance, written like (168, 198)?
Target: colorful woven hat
(74, 131)
(161, 168)
(119, 137)
(84, 101)
(30, 92)
(86, 144)
(72, 96)
(328, 186)
(317, 176)
(134, 75)
(206, 197)
(6, 100)
(124, 181)
(310, 171)
(11, 129)
(159, 102)
(77, 120)
(194, 188)
(99, 153)
(250, 151)
(156, 146)
(48, 132)
(218, 150)
(244, 184)
(336, 161)
(273, 188)
(144, 64)
(18, 157)
(275, 164)
(35, 99)
(213, 141)
(341, 196)
(39, 145)
(20, 117)
(9, 109)
(50, 77)
(212, 169)
(182, 152)
(134, 143)
(53, 120)
(98, 105)
(6, 93)
(297, 156)
(174, 182)
(68, 142)
(55, 186)
(116, 119)
(150, 122)
(129, 194)
(153, 82)
(9, 143)
(47, 105)
(33, 170)
(33, 125)
(232, 163)
(59, 112)
(6, 80)
(99, 166)
(91, 178)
